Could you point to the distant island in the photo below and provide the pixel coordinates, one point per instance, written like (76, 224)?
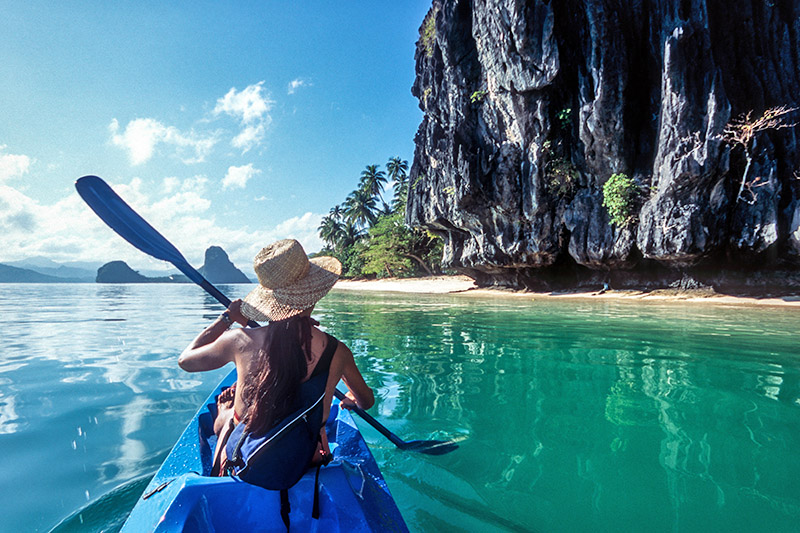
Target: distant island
(44, 270)
(11, 274)
(217, 268)
(120, 272)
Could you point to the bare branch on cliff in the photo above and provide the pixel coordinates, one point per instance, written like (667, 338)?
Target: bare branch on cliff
(742, 130)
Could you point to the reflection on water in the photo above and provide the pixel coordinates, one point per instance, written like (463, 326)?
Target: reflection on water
(91, 394)
(585, 416)
(8, 414)
(107, 513)
(572, 416)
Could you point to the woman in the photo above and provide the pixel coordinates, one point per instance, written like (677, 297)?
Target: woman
(273, 361)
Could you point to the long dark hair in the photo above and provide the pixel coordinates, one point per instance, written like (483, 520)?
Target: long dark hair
(276, 373)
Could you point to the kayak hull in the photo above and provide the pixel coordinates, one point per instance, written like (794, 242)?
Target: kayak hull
(353, 495)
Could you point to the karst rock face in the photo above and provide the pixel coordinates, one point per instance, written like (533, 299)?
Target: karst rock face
(531, 106)
(218, 268)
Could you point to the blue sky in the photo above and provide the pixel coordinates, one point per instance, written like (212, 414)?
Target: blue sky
(228, 123)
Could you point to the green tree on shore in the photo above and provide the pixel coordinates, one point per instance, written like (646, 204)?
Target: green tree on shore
(395, 249)
(360, 207)
(330, 230)
(373, 181)
(373, 240)
(397, 169)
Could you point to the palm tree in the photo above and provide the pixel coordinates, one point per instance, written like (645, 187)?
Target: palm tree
(360, 207)
(350, 235)
(400, 197)
(397, 169)
(330, 230)
(373, 180)
(337, 212)
(386, 210)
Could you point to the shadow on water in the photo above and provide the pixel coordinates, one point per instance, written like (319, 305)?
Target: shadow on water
(108, 512)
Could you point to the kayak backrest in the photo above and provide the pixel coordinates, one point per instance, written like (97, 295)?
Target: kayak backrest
(277, 459)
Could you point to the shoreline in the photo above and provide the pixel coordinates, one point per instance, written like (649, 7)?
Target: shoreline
(460, 285)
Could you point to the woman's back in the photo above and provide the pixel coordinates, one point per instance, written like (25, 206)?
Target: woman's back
(253, 365)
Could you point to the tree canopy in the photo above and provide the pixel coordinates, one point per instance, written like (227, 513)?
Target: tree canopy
(369, 236)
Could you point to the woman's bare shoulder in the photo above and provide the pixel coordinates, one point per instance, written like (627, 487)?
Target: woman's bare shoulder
(247, 340)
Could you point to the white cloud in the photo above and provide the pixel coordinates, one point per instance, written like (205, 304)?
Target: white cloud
(239, 176)
(196, 183)
(170, 184)
(296, 84)
(12, 165)
(68, 230)
(251, 107)
(18, 213)
(302, 228)
(142, 135)
(250, 136)
(185, 202)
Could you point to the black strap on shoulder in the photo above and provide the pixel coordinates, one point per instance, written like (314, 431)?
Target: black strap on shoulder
(285, 508)
(324, 363)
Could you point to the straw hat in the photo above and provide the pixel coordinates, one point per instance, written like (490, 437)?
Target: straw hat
(289, 282)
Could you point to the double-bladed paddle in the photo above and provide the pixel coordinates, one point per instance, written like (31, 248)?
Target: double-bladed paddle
(133, 228)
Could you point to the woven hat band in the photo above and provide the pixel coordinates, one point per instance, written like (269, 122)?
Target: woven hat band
(280, 264)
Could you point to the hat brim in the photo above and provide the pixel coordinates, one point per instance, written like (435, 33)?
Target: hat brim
(278, 304)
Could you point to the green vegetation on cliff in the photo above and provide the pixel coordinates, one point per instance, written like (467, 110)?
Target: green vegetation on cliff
(619, 197)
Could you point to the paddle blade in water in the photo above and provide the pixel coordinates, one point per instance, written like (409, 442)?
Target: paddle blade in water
(431, 447)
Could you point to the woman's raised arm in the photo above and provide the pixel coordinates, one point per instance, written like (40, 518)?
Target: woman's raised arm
(359, 392)
(215, 346)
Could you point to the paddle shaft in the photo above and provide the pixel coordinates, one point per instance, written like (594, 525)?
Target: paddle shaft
(397, 441)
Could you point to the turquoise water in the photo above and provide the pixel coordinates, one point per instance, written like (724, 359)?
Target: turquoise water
(572, 415)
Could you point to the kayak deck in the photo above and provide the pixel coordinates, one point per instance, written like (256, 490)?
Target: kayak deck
(353, 495)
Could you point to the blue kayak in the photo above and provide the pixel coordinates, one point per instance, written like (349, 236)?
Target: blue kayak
(353, 495)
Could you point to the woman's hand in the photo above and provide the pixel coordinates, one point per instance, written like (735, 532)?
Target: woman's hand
(235, 311)
(349, 401)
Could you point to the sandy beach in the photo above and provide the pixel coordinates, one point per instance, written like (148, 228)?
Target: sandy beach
(465, 286)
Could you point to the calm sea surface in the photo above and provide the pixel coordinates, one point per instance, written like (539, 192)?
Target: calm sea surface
(572, 416)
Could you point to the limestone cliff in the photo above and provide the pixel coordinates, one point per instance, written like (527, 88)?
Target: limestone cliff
(531, 106)
(120, 272)
(218, 268)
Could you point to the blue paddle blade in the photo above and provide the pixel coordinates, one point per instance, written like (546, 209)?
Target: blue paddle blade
(130, 226)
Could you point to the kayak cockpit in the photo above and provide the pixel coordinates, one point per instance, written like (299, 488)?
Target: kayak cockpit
(353, 495)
